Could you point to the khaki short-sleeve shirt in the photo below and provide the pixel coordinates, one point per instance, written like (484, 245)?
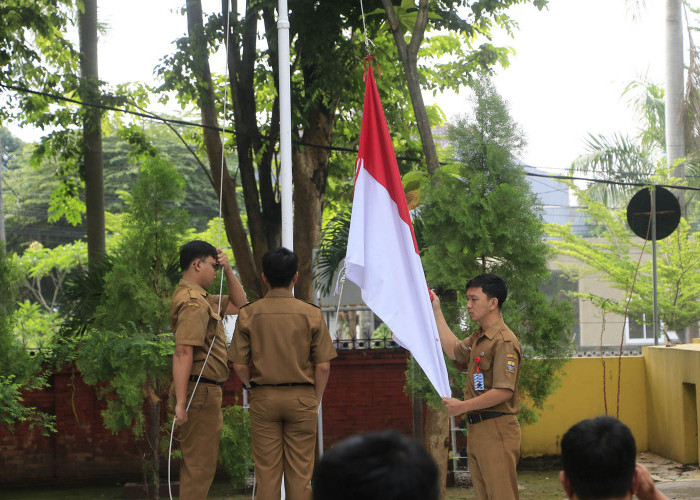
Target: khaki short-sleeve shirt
(500, 357)
(282, 338)
(194, 321)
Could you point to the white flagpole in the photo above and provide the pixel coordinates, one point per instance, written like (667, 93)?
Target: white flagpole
(285, 125)
(285, 130)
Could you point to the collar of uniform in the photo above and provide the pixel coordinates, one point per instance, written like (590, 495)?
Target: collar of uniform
(194, 286)
(493, 329)
(279, 292)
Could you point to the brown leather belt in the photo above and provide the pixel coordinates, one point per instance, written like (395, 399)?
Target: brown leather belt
(475, 418)
(253, 385)
(193, 378)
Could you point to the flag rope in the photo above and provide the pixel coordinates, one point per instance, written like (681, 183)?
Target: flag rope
(364, 27)
(340, 281)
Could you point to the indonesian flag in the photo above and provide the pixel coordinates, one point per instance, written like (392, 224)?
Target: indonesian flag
(382, 256)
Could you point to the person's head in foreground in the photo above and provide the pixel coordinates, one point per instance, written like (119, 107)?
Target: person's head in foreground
(381, 465)
(599, 460)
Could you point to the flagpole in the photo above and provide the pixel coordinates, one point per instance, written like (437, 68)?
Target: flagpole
(285, 125)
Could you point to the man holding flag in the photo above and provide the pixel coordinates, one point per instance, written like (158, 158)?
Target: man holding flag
(493, 356)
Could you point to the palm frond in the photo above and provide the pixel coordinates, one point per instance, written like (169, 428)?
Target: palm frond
(647, 99)
(617, 158)
(334, 243)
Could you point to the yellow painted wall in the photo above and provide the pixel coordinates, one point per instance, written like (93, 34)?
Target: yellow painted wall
(672, 380)
(581, 396)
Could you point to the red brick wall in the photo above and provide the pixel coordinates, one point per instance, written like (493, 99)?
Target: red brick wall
(81, 450)
(365, 392)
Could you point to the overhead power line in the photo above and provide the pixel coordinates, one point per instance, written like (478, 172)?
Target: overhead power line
(604, 181)
(155, 117)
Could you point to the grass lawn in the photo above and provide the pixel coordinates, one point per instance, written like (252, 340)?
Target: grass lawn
(534, 485)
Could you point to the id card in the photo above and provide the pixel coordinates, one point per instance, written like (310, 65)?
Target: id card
(478, 381)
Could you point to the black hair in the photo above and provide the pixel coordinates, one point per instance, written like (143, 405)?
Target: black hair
(598, 456)
(280, 265)
(195, 249)
(492, 285)
(382, 465)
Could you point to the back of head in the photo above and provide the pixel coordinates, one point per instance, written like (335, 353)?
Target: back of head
(492, 285)
(195, 249)
(280, 265)
(381, 465)
(598, 457)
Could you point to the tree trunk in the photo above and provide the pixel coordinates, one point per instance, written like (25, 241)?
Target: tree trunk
(2, 208)
(409, 59)
(437, 442)
(246, 265)
(675, 118)
(310, 173)
(92, 133)
(241, 66)
(154, 442)
(675, 109)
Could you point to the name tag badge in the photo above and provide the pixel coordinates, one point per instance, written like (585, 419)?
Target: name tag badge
(478, 381)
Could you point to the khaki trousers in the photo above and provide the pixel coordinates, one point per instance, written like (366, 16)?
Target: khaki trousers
(493, 450)
(199, 441)
(283, 431)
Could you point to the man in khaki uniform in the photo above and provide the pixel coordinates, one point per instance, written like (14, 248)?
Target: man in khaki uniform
(282, 349)
(493, 356)
(195, 320)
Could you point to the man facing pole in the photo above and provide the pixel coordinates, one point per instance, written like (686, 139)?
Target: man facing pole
(197, 326)
(281, 349)
(493, 356)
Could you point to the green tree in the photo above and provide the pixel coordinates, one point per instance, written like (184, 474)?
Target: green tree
(127, 351)
(19, 370)
(39, 264)
(29, 187)
(327, 65)
(641, 160)
(610, 255)
(36, 51)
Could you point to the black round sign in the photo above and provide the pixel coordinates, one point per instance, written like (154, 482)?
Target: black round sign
(668, 213)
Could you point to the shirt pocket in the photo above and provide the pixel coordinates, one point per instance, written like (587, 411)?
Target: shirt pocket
(485, 364)
(213, 317)
(215, 325)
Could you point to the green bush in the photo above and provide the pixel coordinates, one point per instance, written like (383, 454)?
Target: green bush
(235, 450)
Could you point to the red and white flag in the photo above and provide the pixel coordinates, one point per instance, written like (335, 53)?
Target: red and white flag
(382, 256)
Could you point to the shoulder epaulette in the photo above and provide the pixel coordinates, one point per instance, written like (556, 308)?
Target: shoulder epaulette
(194, 294)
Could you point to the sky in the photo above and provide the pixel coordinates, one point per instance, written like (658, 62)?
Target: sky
(572, 62)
